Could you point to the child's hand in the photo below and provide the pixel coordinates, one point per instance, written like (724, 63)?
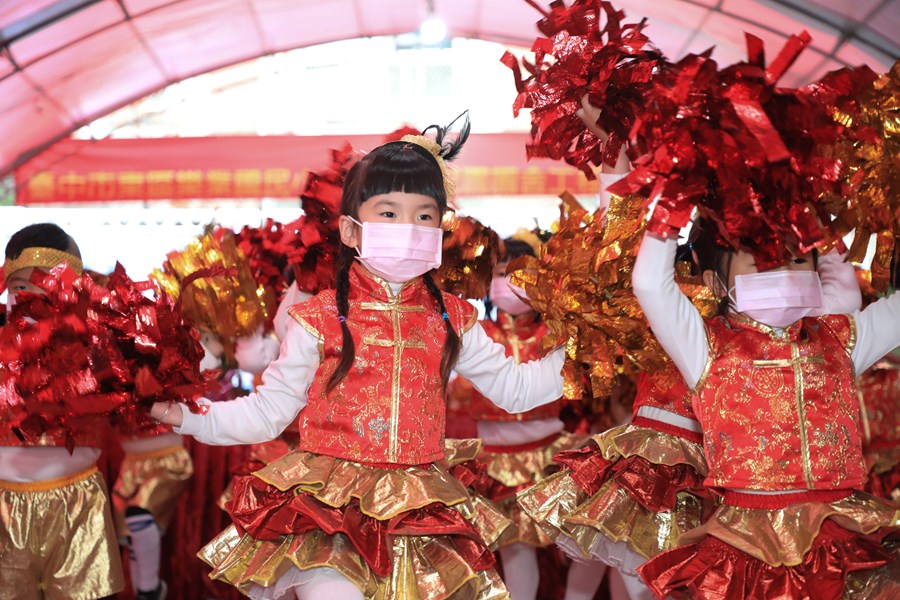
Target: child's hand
(167, 412)
(589, 114)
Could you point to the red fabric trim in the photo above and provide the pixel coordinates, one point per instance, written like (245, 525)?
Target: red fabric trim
(587, 465)
(653, 486)
(267, 513)
(881, 445)
(660, 426)
(473, 475)
(776, 501)
(884, 484)
(513, 448)
(713, 570)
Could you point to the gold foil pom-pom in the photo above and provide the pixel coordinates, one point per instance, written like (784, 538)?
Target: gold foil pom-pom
(869, 155)
(227, 306)
(581, 285)
(470, 252)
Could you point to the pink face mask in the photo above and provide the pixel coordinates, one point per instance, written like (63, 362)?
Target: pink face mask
(503, 296)
(399, 252)
(209, 360)
(778, 298)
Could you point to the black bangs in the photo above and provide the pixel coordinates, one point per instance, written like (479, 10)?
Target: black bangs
(40, 235)
(403, 167)
(516, 248)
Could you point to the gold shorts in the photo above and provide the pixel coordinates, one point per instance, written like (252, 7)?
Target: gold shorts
(153, 481)
(57, 540)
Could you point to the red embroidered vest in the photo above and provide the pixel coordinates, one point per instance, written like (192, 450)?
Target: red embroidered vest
(779, 411)
(879, 398)
(666, 390)
(521, 336)
(389, 408)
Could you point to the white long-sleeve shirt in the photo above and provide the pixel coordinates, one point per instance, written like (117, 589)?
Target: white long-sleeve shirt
(263, 415)
(292, 296)
(681, 332)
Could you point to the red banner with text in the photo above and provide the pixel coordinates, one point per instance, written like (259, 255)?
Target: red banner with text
(148, 169)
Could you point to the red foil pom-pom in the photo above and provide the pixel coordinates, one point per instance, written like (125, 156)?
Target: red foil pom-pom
(613, 65)
(741, 151)
(82, 355)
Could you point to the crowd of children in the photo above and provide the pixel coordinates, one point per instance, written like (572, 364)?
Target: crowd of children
(762, 460)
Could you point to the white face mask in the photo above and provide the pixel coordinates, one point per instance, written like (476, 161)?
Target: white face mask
(209, 360)
(399, 252)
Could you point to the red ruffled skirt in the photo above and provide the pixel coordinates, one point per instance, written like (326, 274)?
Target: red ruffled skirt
(805, 551)
(884, 473)
(399, 532)
(509, 470)
(260, 455)
(625, 497)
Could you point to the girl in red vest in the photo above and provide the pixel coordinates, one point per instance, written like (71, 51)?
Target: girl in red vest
(631, 493)
(366, 507)
(519, 448)
(777, 402)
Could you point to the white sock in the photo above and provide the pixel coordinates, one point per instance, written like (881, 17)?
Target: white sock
(520, 571)
(637, 589)
(328, 584)
(132, 569)
(583, 580)
(145, 548)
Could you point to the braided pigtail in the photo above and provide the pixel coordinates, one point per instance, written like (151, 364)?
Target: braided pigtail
(342, 297)
(452, 342)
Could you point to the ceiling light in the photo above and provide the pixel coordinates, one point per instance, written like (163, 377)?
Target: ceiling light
(432, 31)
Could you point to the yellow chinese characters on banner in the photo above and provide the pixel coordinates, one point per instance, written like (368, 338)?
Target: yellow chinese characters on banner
(251, 167)
(515, 181)
(47, 186)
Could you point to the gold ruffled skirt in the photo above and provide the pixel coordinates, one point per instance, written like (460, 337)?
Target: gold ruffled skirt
(260, 455)
(513, 472)
(809, 549)
(614, 524)
(784, 536)
(425, 565)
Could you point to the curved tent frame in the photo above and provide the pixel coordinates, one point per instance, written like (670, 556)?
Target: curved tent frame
(65, 63)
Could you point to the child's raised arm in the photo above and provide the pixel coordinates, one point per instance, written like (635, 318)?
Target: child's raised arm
(877, 332)
(515, 388)
(675, 322)
(263, 415)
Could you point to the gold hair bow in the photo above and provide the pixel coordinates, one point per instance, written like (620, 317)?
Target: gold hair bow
(435, 149)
